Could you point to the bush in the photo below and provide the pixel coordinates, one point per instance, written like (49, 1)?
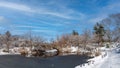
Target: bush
(97, 53)
(37, 52)
(24, 53)
(5, 50)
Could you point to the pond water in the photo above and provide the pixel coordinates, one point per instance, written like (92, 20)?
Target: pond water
(16, 61)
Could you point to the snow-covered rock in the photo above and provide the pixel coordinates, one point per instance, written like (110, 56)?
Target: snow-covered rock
(53, 50)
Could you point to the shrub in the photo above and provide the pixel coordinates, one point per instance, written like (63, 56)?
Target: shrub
(97, 53)
(5, 50)
(24, 53)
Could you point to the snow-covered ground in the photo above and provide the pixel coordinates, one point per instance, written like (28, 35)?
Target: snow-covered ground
(4, 53)
(13, 51)
(70, 49)
(94, 62)
(18, 50)
(110, 60)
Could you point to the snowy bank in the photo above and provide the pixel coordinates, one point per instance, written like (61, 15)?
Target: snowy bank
(6, 53)
(71, 49)
(94, 62)
(12, 51)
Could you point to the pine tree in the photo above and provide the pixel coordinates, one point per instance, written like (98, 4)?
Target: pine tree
(100, 32)
(75, 32)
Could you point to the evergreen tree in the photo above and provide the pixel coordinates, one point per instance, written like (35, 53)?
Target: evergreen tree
(100, 32)
(8, 34)
(75, 32)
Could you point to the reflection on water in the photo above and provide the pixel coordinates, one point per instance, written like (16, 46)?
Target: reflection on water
(15, 61)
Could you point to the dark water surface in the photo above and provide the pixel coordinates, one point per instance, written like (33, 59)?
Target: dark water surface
(16, 61)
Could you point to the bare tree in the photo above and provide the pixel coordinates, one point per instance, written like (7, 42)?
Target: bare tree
(116, 22)
(7, 39)
(112, 26)
(109, 32)
(38, 41)
(86, 36)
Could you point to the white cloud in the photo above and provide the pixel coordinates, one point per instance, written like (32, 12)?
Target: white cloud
(51, 23)
(25, 26)
(3, 21)
(29, 27)
(2, 18)
(97, 19)
(45, 31)
(58, 15)
(16, 6)
(37, 30)
(67, 13)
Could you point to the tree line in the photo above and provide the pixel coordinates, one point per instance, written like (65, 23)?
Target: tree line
(107, 30)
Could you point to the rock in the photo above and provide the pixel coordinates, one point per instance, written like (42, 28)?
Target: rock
(37, 52)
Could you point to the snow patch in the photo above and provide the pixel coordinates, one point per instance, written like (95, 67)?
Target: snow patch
(53, 50)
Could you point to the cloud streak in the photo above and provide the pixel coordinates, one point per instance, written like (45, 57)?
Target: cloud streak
(54, 16)
(4, 21)
(41, 10)
(2, 18)
(15, 6)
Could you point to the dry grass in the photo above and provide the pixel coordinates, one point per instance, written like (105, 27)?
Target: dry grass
(97, 53)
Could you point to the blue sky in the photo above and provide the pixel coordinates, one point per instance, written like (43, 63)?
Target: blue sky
(50, 18)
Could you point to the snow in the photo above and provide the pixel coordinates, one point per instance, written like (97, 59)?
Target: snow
(13, 51)
(74, 49)
(17, 50)
(95, 62)
(108, 59)
(112, 61)
(6, 53)
(71, 49)
(53, 50)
